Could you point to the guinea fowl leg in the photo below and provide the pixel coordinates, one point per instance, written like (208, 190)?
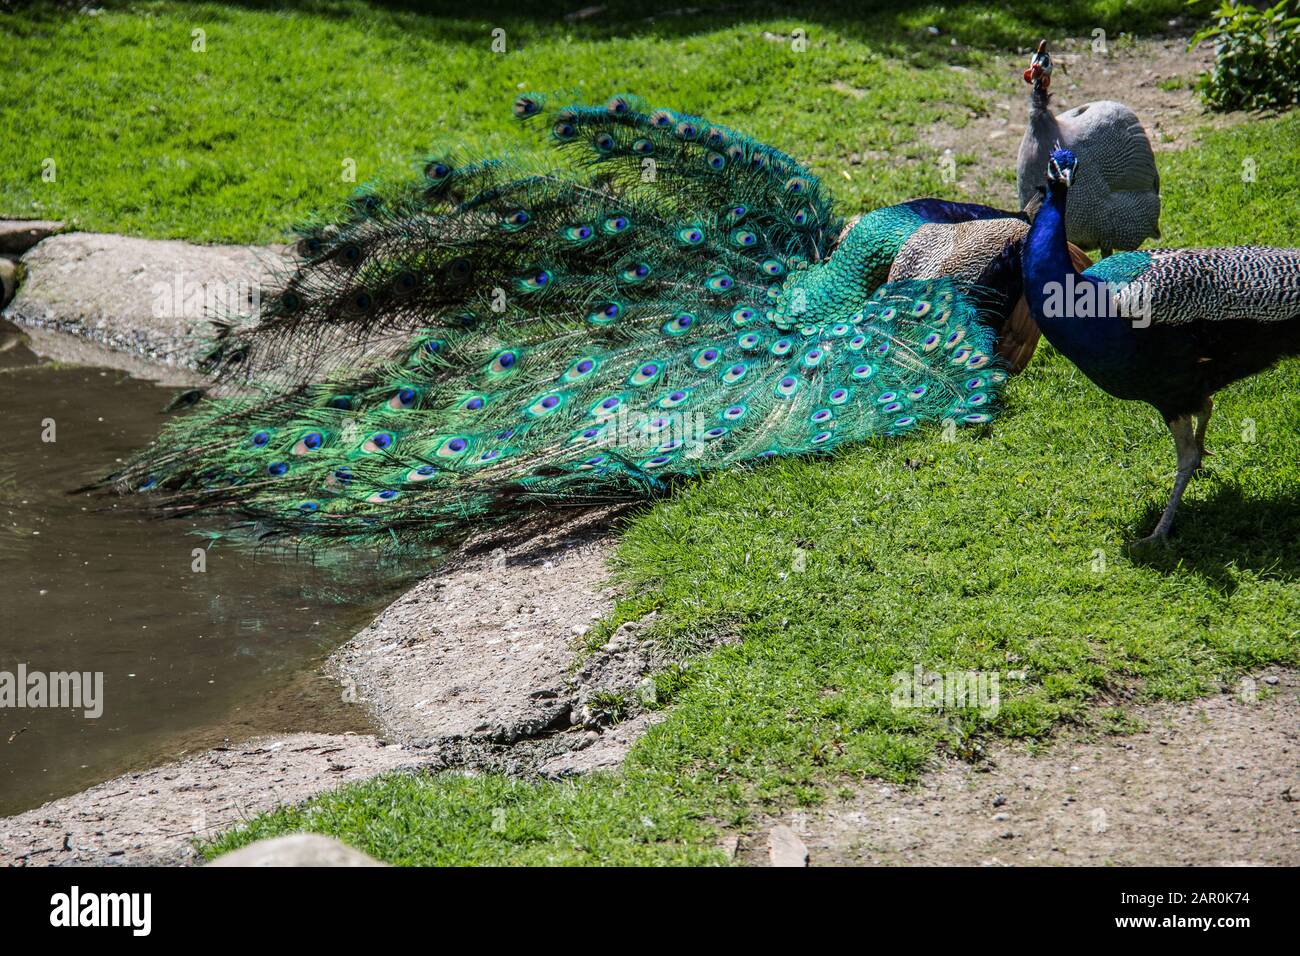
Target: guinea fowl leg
(1189, 459)
(1202, 420)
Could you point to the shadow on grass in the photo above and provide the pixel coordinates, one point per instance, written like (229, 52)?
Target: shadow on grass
(1226, 533)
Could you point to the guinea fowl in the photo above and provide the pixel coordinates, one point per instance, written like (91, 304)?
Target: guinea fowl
(498, 335)
(1116, 202)
(1168, 327)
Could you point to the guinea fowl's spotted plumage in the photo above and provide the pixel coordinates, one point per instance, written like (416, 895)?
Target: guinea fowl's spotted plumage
(1115, 203)
(492, 336)
(1167, 327)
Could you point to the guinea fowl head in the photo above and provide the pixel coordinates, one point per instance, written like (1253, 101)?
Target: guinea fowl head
(1060, 169)
(1040, 67)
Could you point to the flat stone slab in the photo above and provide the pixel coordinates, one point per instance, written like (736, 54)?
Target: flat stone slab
(19, 235)
(147, 297)
(298, 849)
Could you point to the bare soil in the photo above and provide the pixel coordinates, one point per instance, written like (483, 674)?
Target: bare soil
(1213, 782)
(1153, 76)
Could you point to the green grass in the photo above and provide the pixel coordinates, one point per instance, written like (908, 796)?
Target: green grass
(1000, 551)
(237, 143)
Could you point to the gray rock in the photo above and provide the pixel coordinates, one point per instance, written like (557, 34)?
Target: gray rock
(784, 848)
(19, 235)
(298, 849)
(143, 296)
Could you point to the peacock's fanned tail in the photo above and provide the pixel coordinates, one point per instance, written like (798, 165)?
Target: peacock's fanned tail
(497, 335)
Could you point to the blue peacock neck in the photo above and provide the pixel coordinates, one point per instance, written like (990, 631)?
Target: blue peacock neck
(1052, 283)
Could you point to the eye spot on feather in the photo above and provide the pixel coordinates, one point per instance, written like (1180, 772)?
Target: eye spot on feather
(403, 398)
(605, 313)
(643, 147)
(782, 347)
(857, 342)
(976, 418)
(382, 497)
(535, 281)
(716, 162)
(378, 442)
(290, 302)
(595, 461)
(277, 468)
(453, 447)
(422, 473)
(796, 185)
(821, 415)
(616, 224)
(904, 422)
(920, 308)
(526, 106)
(931, 342)
(786, 387)
(978, 360)
(979, 398)
(578, 234)
(742, 315)
(259, 439)
(503, 363)
(690, 236)
(885, 397)
(737, 213)
(821, 438)
(662, 119)
(674, 398)
(564, 130)
(646, 374)
(516, 220)
(679, 323)
(606, 406)
(773, 267)
(735, 373)
(436, 171)
(743, 237)
(474, 403)
(863, 372)
(635, 273)
(839, 396)
(686, 130)
(706, 358)
(308, 507)
(604, 142)
(617, 105)
(812, 358)
(749, 341)
(546, 404)
(340, 476)
(918, 392)
(308, 443)
(893, 407)
(735, 413)
(580, 369)
(953, 338)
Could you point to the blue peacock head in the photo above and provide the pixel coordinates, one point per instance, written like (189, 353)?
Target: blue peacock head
(1060, 168)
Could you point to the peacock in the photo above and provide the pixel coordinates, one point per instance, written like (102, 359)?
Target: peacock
(1116, 202)
(674, 299)
(1168, 327)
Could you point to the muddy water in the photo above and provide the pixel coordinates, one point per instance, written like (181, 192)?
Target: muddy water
(189, 658)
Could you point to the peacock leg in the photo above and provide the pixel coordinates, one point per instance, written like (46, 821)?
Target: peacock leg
(1189, 459)
(1203, 420)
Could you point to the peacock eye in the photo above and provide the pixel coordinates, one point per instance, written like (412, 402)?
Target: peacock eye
(260, 438)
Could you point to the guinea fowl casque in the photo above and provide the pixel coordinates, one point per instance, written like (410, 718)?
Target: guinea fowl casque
(1116, 202)
(497, 335)
(1175, 325)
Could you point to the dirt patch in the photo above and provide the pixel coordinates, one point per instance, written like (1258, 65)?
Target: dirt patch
(1152, 75)
(1209, 783)
(154, 817)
